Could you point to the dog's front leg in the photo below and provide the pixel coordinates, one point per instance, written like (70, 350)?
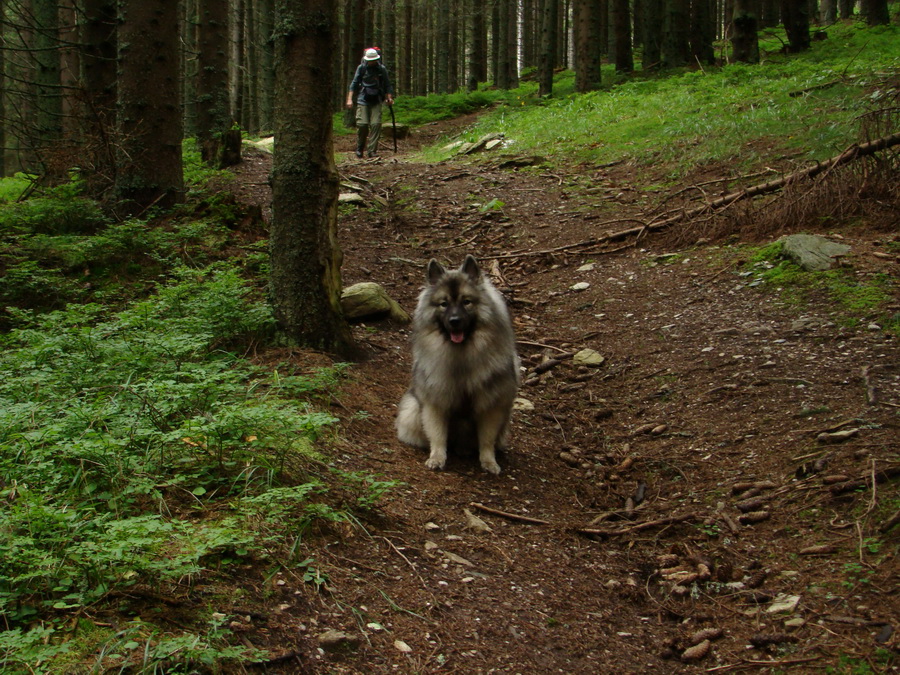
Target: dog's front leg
(490, 426)
(434, 421)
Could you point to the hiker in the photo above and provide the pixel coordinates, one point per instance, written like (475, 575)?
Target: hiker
(372, 86)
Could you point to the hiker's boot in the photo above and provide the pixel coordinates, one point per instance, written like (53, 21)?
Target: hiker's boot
(362, 133)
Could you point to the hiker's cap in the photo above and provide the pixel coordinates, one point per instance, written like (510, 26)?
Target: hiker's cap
(371, 55)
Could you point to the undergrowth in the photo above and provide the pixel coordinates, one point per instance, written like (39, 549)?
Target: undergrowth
(805, 105)
(854, 297)
(142, 454)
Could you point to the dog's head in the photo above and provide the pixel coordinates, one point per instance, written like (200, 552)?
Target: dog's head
(454, 297)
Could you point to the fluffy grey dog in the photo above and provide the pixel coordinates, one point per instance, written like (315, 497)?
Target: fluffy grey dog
(465, 367)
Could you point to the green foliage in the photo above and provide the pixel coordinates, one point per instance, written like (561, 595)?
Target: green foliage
(197, 173)
(718, 114)
(108, 423)
(13, 187)
(854, 297)
(57, 211)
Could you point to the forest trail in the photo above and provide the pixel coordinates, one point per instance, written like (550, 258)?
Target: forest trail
(694, 451)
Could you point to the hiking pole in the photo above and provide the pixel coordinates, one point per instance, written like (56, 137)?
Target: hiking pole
(393, 126)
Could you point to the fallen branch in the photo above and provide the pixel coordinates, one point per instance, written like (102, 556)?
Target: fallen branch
(671, 520)
(855, 151)
(509, 516)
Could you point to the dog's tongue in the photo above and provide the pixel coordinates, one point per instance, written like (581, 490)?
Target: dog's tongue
(457, 338)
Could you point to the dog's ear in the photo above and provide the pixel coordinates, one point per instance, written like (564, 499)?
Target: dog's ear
(435, 271)
(471, 269)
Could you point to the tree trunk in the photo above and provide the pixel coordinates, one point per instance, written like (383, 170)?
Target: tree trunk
(267, 68)
(442, 47)
(652, 36)
(504, 20)
(98, 77)
(845, 8)
(676, 32)
(149, 165)
(587, 45)
(703, 33)
(548, 47)
(477, 71)
(744, 40)
(876, 12)
(795, 17)
(829, 12)
(621, 19)
(48, 90)
(305, 256)
(213, 113)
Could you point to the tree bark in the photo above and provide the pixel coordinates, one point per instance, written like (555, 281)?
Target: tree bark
(795, 17)
(213, 109)
(98, 77)
(305, 256)
(744, 38)
(477, 70)
(652, 35)
(876, 12)
(621, 19)
(149, 165)
(587, 45)
(548, 47)
(676, 32)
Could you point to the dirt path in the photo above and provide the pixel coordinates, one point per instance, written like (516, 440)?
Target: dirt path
(707, 385)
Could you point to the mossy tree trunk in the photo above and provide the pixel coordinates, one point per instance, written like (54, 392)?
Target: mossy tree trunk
(795, 17)
(98, 77)
(744, 36)
(586, 24)
(547, 57)
(305, 256)
(620, 14)
(149, 166)
(213, 109)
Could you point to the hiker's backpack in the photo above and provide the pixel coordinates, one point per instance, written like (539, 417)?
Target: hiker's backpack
(373, 84)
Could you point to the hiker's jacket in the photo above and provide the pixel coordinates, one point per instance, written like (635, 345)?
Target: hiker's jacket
(367, 75)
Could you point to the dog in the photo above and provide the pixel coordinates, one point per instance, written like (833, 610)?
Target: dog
(465, 371)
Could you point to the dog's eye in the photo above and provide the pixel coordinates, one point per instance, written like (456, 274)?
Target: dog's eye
(467, 303)
(445, 304)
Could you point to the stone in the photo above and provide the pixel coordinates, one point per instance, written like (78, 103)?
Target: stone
(783, 604)
(522, 404)
(337, 640)
(369, 300)
(813, 252)
(588, 357)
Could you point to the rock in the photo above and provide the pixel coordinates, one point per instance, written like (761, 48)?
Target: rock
(837, 436)
(589, 267)
(369, 300)
(783, 604)
(336, 640)
(388, 130)
(523, 404)
(812, 252)
(350, 198)
(588, 357)
(580, 286)
(480, 144)
(401, 646)
(473, 522)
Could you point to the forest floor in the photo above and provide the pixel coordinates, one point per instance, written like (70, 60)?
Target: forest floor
(723, 517)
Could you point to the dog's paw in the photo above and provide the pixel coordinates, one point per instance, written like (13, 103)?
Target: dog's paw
(490, 466)
(436, 463)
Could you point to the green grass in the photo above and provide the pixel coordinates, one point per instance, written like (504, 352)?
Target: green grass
(854, 298)
(719, 114)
